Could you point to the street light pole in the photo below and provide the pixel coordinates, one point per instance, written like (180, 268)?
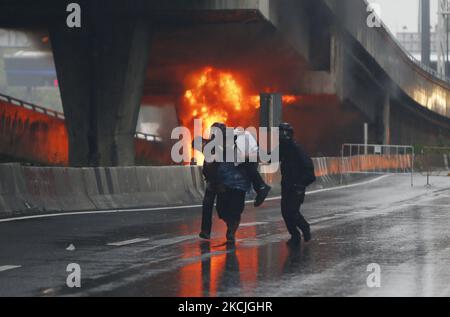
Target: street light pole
(446, 14)
(425, 31)
(443, 38)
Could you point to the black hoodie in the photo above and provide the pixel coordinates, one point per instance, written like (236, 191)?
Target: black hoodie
(297, 168)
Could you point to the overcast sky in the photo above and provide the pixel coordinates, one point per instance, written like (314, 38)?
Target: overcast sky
(399, 13)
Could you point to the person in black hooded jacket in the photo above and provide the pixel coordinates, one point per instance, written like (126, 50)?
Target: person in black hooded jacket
(214, 185)
(297, 172)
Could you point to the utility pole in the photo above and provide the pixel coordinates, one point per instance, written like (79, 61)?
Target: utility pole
(442, 42)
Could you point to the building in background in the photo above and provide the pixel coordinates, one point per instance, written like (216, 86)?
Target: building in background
(411, 41)
(439, 40)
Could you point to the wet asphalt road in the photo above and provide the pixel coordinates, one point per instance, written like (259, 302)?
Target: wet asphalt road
(157, 253)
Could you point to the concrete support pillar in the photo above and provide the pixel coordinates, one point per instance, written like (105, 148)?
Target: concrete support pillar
(385, 121)
(101, 70)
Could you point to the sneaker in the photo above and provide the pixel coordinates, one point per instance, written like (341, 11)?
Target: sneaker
(294, 242)
(204, 235)
(306, 234)
(261, 195)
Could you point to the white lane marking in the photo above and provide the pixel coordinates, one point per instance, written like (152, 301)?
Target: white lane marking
(60, 214)
(252, 224)
(77, 213)
(336, 187)
(426, 205)
(155, 244)
(9, 267)
(127, 242)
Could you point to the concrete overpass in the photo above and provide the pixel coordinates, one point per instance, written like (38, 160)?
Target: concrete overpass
(125, 50)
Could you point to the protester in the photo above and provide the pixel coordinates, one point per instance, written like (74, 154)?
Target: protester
(297, 172)
(213, 184)
(246, 149)
(209, 171)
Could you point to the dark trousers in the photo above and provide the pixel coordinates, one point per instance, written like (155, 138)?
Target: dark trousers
(291, 202)
(230, 205)
(251, 169)
(207, 209)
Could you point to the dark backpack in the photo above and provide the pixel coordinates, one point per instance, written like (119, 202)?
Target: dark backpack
(310, 175)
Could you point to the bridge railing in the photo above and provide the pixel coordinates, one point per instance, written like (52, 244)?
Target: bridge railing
(32, 107)
(147, 137)
(433, 161)
(60, 115)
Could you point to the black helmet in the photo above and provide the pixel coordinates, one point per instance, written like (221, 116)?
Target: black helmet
(219, 125)
(286, 131)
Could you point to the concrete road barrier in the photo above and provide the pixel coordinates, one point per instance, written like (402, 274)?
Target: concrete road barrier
(35, 190)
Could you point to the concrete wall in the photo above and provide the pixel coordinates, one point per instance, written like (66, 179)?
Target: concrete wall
(38, 190)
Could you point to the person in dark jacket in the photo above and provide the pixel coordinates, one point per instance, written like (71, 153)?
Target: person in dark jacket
(209, 171)
(246, 151)
(214, 184)
(297, 172)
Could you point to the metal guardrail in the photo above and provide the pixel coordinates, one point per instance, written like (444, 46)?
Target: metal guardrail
(147, 137)
(60, 115)
(407, 53)
(434, 161)
(402, 155)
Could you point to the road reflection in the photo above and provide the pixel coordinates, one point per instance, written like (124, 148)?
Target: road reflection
(235, 270)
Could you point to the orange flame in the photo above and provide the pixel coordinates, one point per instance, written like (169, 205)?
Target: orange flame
(214, 95)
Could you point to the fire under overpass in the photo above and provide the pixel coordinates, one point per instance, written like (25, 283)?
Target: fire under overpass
(347, 72)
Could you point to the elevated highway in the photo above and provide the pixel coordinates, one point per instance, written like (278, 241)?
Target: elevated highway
(322, 50)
